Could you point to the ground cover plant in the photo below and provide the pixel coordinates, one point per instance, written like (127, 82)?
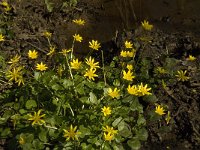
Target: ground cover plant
(52, 99)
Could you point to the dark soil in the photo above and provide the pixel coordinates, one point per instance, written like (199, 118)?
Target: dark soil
(111, 21)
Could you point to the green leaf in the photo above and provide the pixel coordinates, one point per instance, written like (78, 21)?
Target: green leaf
(27, 146)
(30, 104)
(106, 146)
(150, 99)
(171, 64)
(56, 87)
(121, 125)
(85, 146)
(91, 85)
(129, 98)
(53, 134)
(16, 106)
(49, 5)
(2, 62)
(43, 136)
(80, 89)
(136, 106)
(116, 82)
(37, 144)
(2, 120)
(84, 100)
(36, 75)
(68, 146)
(2, 30)
(73, 3)
(141, 120)
(92, 140)
(29, 137)
(145, 67)
(134, 144)
(117, 121)
(84, 131)
(7, 114)
(22, 111)
(67, 83)
(93, 98)
(125, 132)
(10, 34)
(55, 101)
(117, 146)
(142, 134)
(100, 85)
(5, 132)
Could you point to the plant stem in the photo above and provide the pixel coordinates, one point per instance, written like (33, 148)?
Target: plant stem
(72, 77)
(51, 127)
(70, 70)
(49, 42)
(104, 74)
(71, 109)
(36, 47)
(72, 52)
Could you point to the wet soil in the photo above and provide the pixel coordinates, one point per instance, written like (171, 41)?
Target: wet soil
(175, 36)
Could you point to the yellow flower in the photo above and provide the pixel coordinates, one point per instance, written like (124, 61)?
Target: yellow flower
(191, 58)
(160, 110)
(128, 44)
(14, 60)
(94, 45)
(75, 64)
(41, 67)
(20, 80)
(130, 54)
(132, 90)
(129, 67)
(8, 8)
(78, 38)
(143, 90)
(168, 118)
(51, 50)
(127, 54)
(79, 21)
(6, 5)
(91, 74)
(2, 38)
(21, 140)
(110, 130)
(47, 34)
(113, 93)
(128, 75)
(15, 75)
(91, 63)
(37, 118)
(106, 111)
(71, 133)
(161, 70)
(32, 54)
(164, 85)
(15, 119)
(60, 70)
(181, 76)
(123, 54)
(108, 136)
(65, 51)
(146, 25)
